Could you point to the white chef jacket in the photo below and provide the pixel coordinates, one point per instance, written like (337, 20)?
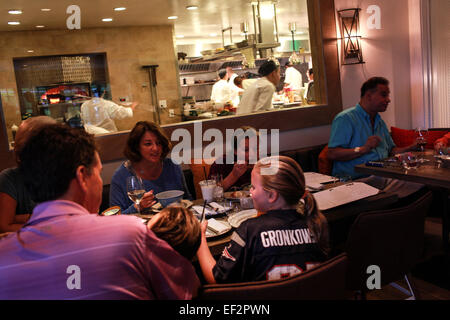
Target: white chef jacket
(97, 115)
(257, 97)
(221, 91)
(294, 78)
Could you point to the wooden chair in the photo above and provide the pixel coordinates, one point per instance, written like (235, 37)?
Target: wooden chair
(198, 172)
(325, 165)
(391, 239)
(325, 282)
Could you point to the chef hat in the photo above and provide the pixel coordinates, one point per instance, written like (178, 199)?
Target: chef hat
(267, 68)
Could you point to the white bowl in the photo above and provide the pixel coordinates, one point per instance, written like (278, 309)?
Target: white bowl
(168, 197)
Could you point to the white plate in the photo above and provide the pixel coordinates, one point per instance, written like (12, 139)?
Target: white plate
(210, 234)
(236, 219)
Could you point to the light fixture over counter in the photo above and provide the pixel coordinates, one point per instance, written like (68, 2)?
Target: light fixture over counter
(350, 36)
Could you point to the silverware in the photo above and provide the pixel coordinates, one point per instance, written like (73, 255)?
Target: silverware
(203, 212)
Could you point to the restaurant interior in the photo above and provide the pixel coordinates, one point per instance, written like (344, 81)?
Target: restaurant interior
(165, 56)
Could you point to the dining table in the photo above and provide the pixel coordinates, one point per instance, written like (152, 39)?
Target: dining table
(430, 172)
(339, 220)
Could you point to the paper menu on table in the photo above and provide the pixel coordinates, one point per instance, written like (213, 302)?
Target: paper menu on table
(314, 180)
(344, 194)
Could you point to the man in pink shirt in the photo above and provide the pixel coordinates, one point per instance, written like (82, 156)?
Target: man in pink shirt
(65, 252)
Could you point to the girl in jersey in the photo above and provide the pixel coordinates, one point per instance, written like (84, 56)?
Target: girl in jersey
(289, 237)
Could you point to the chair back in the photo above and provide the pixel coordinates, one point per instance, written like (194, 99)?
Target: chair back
(325, 165)
(324, 282)
(198, 172)
(390, 239)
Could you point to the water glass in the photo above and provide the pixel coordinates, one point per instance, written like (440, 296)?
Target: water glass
(409, 162)
(208, 188)
(218, 191)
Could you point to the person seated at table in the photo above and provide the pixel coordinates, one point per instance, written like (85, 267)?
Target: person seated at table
(359, 135)
(179, 228)
(15, 201)
(237, 173)
(289, 237)
(146, 149)
(443, 142)
(64, 251)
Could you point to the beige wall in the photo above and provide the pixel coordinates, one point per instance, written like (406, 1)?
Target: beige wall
(127, 50)
(386, 53)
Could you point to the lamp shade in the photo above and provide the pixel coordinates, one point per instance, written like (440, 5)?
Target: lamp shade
(350, 36)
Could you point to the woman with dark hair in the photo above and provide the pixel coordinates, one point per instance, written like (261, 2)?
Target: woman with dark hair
(15, 200)
(146, 150)
(289, 235)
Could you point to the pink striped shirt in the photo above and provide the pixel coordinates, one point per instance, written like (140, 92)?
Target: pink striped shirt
(64, 252)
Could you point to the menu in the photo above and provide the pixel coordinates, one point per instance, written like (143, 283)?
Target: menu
(347, 193)
(314, 181)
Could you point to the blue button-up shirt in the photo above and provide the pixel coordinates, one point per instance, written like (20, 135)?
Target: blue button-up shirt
(351, 128)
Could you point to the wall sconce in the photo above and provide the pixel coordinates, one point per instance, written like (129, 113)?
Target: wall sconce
(350, 36)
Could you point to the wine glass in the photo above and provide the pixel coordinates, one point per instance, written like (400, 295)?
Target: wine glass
(135, 190)
(421, 138)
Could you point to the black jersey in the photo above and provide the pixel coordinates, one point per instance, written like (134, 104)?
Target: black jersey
(275, 245)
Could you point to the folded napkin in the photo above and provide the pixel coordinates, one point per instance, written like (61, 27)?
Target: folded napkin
(216, 226)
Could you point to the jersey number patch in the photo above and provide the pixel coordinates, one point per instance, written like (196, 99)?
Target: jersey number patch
(283, 271)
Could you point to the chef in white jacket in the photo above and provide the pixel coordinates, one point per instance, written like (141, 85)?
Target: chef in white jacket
(221, 90)
(98, 114)
(293, 78)
(259, 95)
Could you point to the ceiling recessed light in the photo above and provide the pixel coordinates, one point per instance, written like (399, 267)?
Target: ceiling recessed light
(213, 34)
(180, 36)
(14, 23)
(120, 9)
(15, 11)
(40, 26)
(172, 17)
(46, 10)
(191, 7)
(107, 19)
(30, 51)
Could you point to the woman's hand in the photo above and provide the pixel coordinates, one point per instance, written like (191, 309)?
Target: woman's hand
(148, 200)
(239, 169)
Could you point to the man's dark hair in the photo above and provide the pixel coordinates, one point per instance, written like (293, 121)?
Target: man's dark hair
(49, 160)
(267, 68)
(372, 84)
(238, 81)
(311, 71)
(132, 152)
(222, 73)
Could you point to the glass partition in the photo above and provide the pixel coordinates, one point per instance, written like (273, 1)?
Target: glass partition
(106, 67)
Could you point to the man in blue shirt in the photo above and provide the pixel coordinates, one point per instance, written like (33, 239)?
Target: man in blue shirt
(359, 135)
